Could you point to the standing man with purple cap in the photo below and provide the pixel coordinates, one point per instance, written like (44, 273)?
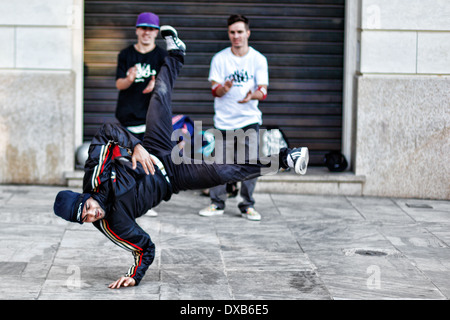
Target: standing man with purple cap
(137, 68)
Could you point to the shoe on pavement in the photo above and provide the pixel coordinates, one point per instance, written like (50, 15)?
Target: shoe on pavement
(298, 159)
(152, 213)
(211, 210)
(251, 214)
(170, 35)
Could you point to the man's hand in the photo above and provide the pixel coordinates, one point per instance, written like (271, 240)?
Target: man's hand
(221, 90)
(131, 74)
(122, 282)
(125, 83)
(227, 85)
(247, 98)
(150, 86)
(143, 157)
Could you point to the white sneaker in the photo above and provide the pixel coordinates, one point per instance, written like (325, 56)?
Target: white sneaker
(251, 214)
(298, 159)
(211, 210)
(152, 213)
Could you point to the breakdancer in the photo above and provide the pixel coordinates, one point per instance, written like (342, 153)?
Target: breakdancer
(125, 177)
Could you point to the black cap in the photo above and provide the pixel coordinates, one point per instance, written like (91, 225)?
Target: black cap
(69, 205)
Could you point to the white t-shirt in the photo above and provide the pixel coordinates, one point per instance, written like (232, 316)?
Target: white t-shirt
(247, 72)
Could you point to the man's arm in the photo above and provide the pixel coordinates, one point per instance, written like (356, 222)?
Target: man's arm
(219, 90)
(260, 94)
(101, 153)
(138, 242)
(261, 80)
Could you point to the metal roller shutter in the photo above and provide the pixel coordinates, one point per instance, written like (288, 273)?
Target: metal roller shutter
(302, 40)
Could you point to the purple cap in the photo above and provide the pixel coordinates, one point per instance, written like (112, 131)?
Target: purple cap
(148, 19)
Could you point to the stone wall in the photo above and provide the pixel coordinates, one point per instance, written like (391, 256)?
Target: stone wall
(403, 98)
(40, 63)
(403, 137)
(36, 125)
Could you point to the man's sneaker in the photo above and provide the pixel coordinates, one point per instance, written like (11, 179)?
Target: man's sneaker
(298, 159)
(211, 210)
(152, 213)
(172, 41)
(251, 214)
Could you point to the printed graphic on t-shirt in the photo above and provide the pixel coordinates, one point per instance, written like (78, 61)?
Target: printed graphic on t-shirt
(239, 77)
(143, 72)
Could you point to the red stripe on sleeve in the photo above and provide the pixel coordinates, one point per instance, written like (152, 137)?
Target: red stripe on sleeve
(120, 239)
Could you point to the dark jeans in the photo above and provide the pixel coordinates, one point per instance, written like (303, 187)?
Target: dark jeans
(189, 175)
(249, 145)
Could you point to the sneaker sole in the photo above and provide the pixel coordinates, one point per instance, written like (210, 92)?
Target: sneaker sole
(152, 213)
(168, 28)
(211, 214)
(301, 165)
(170, 32)
(251, 218)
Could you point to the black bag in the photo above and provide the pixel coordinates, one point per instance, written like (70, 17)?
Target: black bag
(335, 161)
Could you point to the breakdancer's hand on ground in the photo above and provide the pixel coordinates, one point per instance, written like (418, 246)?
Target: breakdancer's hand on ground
(122, 282)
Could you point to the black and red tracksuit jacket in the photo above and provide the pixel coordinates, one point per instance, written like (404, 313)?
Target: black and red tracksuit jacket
(124, 193)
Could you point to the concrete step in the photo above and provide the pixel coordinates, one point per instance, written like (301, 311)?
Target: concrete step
(318, 180)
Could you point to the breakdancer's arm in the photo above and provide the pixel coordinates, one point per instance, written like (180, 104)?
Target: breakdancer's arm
(109, 136)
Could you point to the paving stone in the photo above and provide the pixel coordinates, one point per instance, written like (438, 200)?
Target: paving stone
(305, 247)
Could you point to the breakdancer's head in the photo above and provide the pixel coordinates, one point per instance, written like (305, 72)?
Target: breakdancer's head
(78, 207)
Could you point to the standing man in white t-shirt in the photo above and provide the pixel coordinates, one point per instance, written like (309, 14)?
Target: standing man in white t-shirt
(239, 77)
